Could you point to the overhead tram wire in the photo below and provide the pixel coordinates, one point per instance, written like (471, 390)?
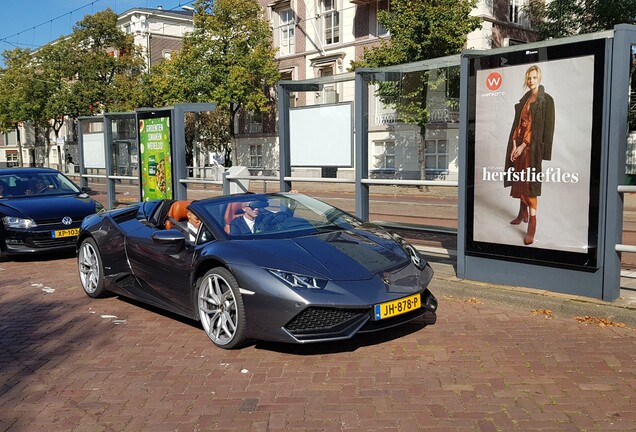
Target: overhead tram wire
(17, 44)
(6, 39)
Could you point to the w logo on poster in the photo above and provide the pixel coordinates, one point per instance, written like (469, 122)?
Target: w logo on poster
(493, 81)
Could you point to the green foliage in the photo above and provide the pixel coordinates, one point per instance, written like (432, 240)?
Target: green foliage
(104, 66)
(421, 30)
(97, 68)
(208, 128)
(17, 103)
(78, 75)
(231, 49)
(17, 98)
(228, 59)
(168, 83)
(561, 18)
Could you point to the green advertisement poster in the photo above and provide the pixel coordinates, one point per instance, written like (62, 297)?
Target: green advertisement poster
(156, 160)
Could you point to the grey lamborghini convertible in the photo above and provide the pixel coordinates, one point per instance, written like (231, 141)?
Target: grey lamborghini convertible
(279, 267)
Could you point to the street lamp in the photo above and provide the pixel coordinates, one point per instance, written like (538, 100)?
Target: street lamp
(187, 8)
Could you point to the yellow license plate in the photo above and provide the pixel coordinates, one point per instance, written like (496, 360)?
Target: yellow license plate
(397, 307)
(71, 232)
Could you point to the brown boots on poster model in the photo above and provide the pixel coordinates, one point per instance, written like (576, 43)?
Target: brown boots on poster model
(532, 228)
(523, 216)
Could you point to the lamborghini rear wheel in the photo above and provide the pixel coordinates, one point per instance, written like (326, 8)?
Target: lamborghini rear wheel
(221, 308)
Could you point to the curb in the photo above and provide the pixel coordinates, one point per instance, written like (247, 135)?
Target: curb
(446, 283)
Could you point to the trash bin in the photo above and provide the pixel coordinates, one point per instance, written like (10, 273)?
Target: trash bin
(239, 186)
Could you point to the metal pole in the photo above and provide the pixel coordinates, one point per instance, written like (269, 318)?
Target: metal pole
(283, 134)
(361, 131)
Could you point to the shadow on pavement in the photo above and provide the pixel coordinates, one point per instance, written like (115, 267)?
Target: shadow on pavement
(349, 345)
(41, 256)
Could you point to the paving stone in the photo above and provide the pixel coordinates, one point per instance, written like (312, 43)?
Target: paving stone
(485, 366)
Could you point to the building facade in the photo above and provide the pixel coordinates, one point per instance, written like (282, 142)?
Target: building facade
(318, 38)
(315, 38)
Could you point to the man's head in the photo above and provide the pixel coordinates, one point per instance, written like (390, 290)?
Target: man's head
(193, 219)
(251, 209)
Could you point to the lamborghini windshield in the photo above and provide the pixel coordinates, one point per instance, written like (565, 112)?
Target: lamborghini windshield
(257, 215)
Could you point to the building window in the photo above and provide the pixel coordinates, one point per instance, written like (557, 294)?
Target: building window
(166, 54)
(382, 5)
(289, 76)
(516, 14)
(512, 42)
(12, 158)
(329, 91)
(256, 155)
(331, 22)
(384, 155)
(255, 120)
(435, 156)
(286, 31)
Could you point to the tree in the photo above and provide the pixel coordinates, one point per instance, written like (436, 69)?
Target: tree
(420, 30)
(104, 66)
(96, 69)
(17, 100)
(228, 59)
(561, 18)
(209, 130)
(51, 90)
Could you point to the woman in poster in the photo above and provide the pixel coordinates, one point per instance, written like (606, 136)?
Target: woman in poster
(529, 144)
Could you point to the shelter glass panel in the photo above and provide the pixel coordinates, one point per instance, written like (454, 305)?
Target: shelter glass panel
(125, 159)
(418, 111)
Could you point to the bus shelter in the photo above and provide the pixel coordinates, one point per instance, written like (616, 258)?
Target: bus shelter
(130, 157)
(448, 122)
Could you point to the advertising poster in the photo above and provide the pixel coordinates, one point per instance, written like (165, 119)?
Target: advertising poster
(156, 160)
(535, 160)
(553, 181)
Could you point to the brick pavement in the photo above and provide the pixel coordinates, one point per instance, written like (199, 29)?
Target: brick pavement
(69, 363)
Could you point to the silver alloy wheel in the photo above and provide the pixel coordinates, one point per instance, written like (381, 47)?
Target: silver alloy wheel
(217, 309)
(88, 268)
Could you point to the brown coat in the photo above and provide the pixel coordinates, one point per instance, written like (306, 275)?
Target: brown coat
(542, 111)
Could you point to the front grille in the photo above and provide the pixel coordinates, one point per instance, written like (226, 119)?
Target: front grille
(64, 241)
(315, 323)
(58, 221)
(321, 318)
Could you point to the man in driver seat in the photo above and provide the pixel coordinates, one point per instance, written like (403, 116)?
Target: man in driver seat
(250, 221)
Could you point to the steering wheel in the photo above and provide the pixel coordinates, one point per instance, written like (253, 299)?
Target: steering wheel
(277, 220)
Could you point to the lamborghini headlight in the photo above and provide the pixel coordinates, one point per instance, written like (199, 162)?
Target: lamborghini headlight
(415, 256)
(296, 280)
(16, 222)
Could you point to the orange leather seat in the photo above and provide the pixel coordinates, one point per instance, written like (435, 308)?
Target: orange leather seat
(178, 212)
(232, 211)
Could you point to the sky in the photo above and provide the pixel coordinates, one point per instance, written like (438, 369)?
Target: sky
(33, 23)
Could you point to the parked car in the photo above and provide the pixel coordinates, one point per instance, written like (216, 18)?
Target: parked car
(308, 273)
(40, 211)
